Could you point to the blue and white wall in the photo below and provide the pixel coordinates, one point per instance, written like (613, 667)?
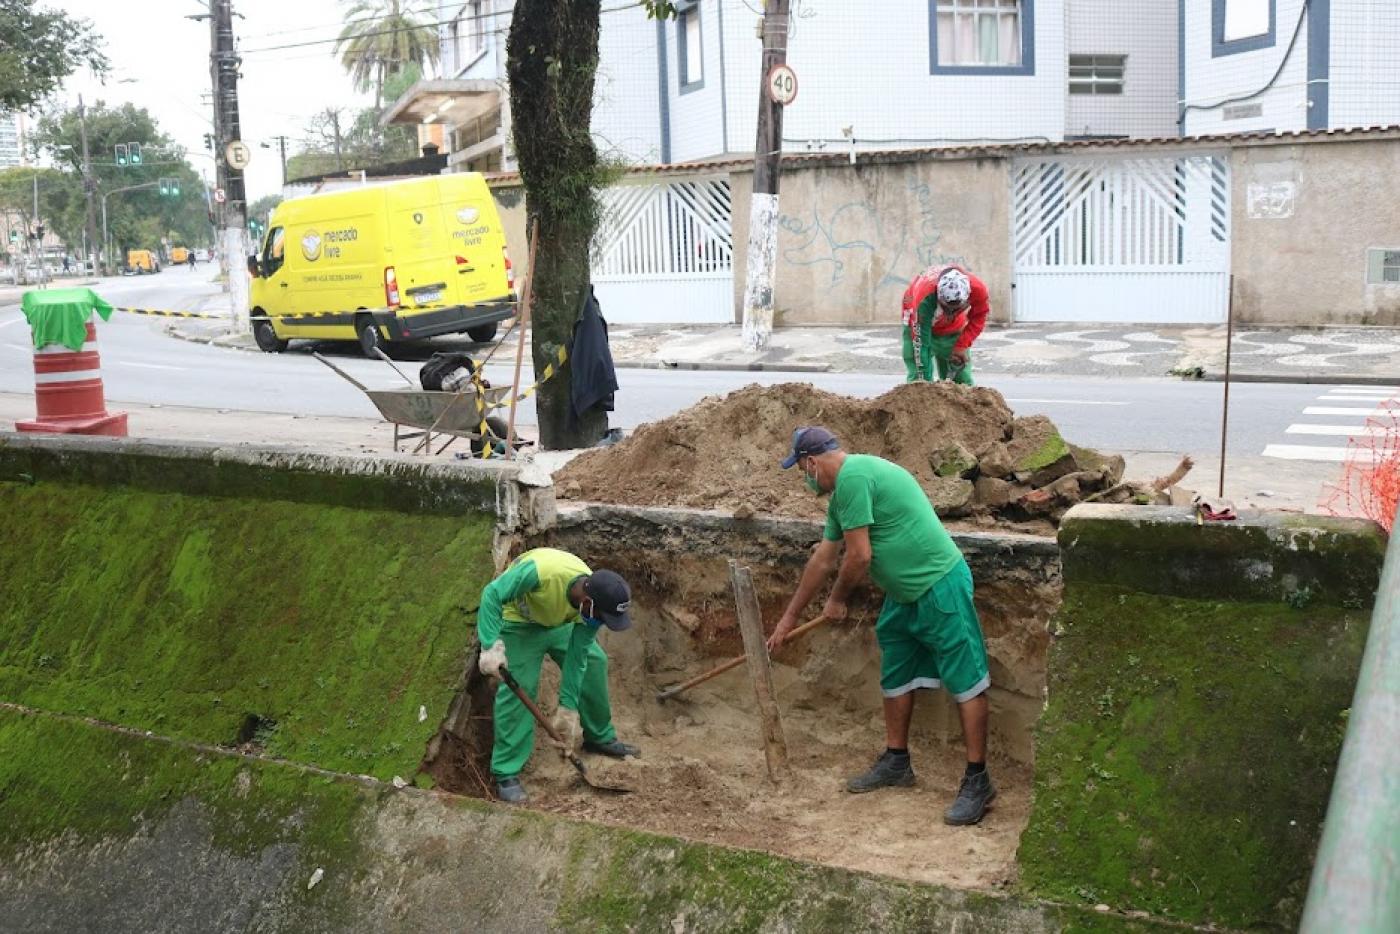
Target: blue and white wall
(1365, 63)
(1284, 72)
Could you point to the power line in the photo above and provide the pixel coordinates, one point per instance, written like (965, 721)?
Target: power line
(389, 32)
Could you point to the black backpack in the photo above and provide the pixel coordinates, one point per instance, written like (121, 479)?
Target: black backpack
(441, 365)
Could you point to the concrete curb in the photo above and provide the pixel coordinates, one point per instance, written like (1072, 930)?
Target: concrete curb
(1327, 380)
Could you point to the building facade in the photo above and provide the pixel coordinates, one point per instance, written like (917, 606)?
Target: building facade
(937, 72)
(12, 142)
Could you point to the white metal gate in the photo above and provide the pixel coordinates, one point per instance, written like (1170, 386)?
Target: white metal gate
(664, 252)
(1140, 240)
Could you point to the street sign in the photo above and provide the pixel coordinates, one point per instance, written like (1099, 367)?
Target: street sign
(219, 195)
(782, 85)
(238, 155)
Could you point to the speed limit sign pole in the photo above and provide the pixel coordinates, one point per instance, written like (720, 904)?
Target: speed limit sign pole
(762, 254)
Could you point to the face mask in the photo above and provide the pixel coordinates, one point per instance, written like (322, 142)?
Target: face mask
(810, 479)
(588, 619)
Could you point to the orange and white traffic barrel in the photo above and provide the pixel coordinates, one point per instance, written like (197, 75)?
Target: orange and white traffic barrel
(68, 391)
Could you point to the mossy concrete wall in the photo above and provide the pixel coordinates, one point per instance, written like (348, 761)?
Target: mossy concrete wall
(101, 830)
(1199, 683)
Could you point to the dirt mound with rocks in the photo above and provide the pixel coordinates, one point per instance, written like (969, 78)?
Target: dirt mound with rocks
(973, 457)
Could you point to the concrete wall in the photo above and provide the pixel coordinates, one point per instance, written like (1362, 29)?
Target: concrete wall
(851, 239)
(1305, 215)
(1146, 32)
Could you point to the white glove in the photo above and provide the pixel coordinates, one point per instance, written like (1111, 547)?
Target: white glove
(492, 660)
(566, 724)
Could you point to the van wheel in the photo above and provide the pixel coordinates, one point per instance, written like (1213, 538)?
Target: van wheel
(368, 334)
(266, 338)
(483, 333)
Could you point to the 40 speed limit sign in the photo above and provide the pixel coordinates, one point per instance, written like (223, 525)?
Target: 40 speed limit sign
(782, 85)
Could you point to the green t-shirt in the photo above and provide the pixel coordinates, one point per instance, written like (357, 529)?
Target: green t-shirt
(910, 550)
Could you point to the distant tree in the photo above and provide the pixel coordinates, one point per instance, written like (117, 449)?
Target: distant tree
(383, 37)
(60, 206)
(40, 47)
(135, 218)
(261, 209)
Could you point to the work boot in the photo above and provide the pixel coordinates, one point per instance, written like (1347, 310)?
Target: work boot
(973, 797)
(614, 748)
(511, 791)
(887, 770)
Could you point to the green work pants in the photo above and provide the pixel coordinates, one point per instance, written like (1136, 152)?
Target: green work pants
(526, 646)
(933, 351)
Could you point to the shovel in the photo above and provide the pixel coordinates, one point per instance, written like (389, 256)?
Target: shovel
(569, 754)
(721, 668)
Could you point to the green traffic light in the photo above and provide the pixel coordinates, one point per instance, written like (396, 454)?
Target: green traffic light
(121, 154)
(135, 153)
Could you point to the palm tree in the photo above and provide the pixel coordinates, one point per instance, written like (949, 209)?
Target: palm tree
(380, 38)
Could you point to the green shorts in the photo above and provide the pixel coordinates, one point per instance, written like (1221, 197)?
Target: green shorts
(934, 641)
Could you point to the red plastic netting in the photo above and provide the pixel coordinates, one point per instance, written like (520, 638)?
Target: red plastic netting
(1370, 482)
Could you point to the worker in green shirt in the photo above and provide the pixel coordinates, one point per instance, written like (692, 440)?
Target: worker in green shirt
(548, 602)
(928, 630)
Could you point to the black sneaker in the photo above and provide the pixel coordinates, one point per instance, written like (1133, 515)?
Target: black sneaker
(974, 795)
(888, 770)
(511, 791)
(616, 749)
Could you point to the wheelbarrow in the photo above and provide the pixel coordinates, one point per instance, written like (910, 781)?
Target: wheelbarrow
(428, 414)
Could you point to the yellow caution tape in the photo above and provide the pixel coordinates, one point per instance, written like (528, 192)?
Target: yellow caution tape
(159, 313)
(560, 356)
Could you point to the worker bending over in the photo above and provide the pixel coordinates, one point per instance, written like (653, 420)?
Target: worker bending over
(943, 311)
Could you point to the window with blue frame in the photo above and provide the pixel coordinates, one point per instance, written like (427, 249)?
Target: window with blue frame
(982, 37)
(690, 57)
(1242, 25)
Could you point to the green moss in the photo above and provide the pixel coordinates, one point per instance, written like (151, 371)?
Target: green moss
(1185, 759)
(185, 615)
(1051, 451)
(89, 784)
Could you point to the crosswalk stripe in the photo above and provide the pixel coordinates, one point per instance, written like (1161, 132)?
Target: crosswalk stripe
(1377, 400)
(1337, 410)
(1309, 452)
(1341, 431)
(1386, 389)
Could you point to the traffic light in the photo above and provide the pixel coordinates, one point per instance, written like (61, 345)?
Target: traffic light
(14, 236)
(135, 149)
(170, 188)
(122, 154)
(209, 141)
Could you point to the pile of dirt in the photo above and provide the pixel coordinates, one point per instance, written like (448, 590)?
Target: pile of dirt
(973, 457)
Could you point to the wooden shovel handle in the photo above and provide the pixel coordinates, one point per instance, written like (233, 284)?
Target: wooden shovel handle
(514, 685)
(732, 663)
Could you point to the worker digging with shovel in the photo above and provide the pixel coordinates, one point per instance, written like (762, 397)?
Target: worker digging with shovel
(548, 602)
(928, 630)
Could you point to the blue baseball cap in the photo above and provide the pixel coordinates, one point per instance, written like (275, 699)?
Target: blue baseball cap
(809, 442)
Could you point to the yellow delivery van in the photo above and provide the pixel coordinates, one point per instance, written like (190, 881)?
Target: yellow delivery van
(179, 255)
(383, 262)
(141, 262)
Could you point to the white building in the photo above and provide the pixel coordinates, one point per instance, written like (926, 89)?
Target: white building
(1280, 65)
(902, 73)
(12, 145)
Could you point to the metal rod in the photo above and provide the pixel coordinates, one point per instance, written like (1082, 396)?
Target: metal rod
(1225, 409)
(520, 338)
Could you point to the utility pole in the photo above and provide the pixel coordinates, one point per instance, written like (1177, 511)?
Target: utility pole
(334, 114)
(223, 64)
(762, 255)
(89, 191)
(281, 151)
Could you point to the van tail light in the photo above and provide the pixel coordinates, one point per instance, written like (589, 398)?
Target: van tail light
(391, 287)
(510, 270)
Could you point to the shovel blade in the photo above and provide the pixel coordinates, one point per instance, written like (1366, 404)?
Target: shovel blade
(596, 784)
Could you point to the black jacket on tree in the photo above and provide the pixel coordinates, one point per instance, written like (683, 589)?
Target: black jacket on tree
(593, 380)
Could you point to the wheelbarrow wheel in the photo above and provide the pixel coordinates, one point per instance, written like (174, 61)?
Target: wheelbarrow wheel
(498, 431)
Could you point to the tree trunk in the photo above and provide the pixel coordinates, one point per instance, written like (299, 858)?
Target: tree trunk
(552, 57)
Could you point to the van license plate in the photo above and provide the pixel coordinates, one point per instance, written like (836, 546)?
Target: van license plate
(428, 296)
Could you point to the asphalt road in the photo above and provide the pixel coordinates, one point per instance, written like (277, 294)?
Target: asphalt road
(141, 364)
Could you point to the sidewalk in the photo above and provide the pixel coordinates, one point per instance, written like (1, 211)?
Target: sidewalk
(1284, 355)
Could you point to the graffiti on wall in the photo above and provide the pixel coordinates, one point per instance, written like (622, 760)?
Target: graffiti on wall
(861, 253)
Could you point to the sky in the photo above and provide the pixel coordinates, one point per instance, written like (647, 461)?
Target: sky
(160, 61)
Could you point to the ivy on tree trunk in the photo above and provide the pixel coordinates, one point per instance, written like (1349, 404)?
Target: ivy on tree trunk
(552, 57)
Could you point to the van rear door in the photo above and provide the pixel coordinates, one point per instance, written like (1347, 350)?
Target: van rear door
(476, 239)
